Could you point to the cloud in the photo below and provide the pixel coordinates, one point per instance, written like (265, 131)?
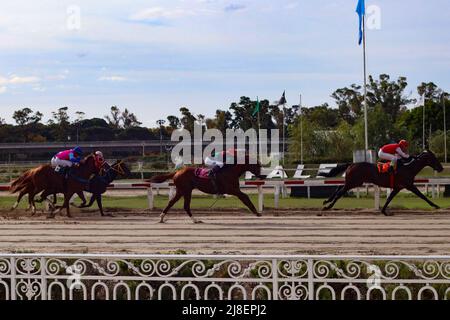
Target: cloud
(17, 80)
(155, 13)
(234, 7)
(2, 90)
(112, 78)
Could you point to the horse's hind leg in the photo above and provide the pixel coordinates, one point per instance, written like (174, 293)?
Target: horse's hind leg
(187, 207)
(170, 205)
(338, 195)
(21, 194)
(331, 198)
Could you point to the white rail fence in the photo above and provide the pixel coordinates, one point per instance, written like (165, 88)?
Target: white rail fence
(279, 188)
(198, 277)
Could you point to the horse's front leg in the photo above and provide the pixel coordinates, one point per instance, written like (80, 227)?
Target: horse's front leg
(246, 200)
(187, 207)
(170, 205)
(417, 192)
(67, 197)
(389, 199)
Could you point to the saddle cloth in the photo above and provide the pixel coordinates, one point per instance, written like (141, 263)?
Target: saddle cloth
(383, 167)
(202, 173)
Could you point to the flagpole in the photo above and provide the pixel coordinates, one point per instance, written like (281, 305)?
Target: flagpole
(301, 131)
(259, 132)
(366, 135)
(284, 138)
(423, 122)
(445, 129)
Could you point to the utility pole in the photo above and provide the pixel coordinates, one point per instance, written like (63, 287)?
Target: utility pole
(301, 130)
(160, 123)
(445, 127)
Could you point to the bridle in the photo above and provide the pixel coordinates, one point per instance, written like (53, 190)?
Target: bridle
(117, 167)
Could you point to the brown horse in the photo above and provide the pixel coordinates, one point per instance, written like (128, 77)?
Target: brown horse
(45, 178)
(227, 179)
(357, 174)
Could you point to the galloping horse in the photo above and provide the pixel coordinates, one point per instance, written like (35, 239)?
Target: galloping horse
(358, 173)
(186, 181)
(47, 179)
(97, 185)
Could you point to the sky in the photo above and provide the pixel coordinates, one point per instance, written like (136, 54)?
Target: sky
(154, 57)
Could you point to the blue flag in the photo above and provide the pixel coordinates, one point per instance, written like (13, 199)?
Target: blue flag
(361, 11)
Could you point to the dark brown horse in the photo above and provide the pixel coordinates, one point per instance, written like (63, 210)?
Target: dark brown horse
(357, 174)
(186, 181)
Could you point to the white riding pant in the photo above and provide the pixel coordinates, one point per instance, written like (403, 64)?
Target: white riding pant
(211, 162)
(62, 163)
(387, 156)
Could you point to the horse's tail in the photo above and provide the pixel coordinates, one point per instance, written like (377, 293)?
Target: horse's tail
(162, 178)
(340, 168)
(21, 182)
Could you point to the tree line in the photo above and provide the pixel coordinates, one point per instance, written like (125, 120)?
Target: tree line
(329, 132)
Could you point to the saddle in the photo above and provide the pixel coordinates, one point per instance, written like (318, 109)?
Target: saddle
(202, 173)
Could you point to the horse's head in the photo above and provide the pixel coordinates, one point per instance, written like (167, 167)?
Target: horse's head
(252, 165)
(431, 160)
(89, 163)
(121, 168)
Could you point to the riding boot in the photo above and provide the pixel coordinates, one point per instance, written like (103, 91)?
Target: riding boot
(213, 176)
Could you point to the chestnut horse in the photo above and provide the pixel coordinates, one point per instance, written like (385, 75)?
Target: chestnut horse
(44, 178)
(358, 173)
(227, 179)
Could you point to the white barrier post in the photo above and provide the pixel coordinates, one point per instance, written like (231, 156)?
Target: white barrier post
(150, 198)
(377, 197)
(276, 196)
(260, 199)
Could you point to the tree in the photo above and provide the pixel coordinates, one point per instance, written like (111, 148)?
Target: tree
(114, 117)
(129, 120)
(389, 95)
(174, 122)
(349, 102)
(25, 116)
(431, 91)
(187, 119)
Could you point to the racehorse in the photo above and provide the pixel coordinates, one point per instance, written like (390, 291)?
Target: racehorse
(98, 185)
(46, 179)
(357, 174)
(227, 179)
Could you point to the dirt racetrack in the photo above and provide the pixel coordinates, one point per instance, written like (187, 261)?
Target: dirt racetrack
(231, 232)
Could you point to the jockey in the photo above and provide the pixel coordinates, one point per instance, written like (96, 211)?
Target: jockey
(67, 158)
(393, 152)
(100, 162)
(218, 161)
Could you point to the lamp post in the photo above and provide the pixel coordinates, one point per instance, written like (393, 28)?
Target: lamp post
(160, 123)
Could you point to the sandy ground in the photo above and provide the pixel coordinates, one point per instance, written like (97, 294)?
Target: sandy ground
(231, 232)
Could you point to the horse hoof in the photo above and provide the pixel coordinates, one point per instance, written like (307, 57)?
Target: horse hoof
(437, 207)
(259, 214)
(198, 221)
(325, 208)
(388, 214)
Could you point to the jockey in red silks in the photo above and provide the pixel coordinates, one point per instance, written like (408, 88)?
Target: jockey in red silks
(393, 152)
(100, 162)
(67, 158)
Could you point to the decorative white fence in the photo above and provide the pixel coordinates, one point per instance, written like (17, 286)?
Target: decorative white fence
(59, 276)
